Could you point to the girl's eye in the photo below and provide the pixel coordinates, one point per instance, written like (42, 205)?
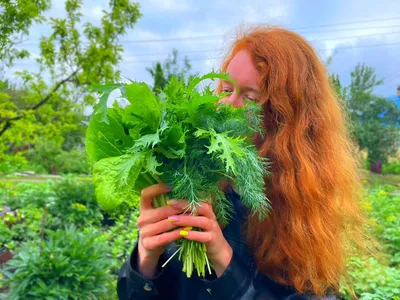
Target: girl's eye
(226, 90)
(251, 98)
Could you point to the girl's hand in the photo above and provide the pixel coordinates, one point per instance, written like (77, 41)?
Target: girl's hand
(154, 228)
(218, 249)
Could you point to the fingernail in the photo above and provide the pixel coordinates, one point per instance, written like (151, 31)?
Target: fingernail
(188, 228)
(173, 218)
(173, 202)
(183, 233)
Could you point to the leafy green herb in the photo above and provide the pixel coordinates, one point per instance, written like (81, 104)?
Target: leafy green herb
(183, 138)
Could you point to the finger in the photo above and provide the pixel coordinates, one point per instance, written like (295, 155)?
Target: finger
(156, 214)
(204, 209)
(147, 195)
(157, 228)
(161, 240)
(206, 237)
(199, 222)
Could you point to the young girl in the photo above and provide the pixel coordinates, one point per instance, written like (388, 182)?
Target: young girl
(300, 250)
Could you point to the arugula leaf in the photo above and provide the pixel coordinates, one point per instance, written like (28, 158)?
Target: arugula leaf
(105, 90)
(106, 139)
(225, 147)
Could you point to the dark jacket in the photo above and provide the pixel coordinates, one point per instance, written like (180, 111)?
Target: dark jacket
(239, 281)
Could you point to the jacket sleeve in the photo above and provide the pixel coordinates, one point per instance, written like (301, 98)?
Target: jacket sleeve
(132, 285)
(240, 282)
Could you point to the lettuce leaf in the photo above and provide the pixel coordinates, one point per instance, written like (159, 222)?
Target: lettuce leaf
(106, 139)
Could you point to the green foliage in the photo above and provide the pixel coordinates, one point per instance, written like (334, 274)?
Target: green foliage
(73, 162)
(392, 168)
(162, 74)
(15, 18)
(378, 277)
(121, 237)
(69, 265)
(12, 163)
(75, 203)
(26, 194)
(48, 157)
(185, 140)
(73, 59)
(372, 280)
(384, 209)
(187, 130)
(374, 119)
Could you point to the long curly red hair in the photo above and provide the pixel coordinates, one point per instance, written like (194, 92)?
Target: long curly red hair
(314, 188)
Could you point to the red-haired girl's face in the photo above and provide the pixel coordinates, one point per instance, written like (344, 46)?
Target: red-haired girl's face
(247, 77)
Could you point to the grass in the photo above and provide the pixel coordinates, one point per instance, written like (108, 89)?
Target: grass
(380, 179)
(40, 178)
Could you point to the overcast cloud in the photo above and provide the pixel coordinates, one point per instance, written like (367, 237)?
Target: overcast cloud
(375, 43)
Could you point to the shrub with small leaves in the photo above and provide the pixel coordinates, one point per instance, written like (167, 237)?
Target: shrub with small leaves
(69, 264)
(372, 280)
(122, 237)
(75, 203)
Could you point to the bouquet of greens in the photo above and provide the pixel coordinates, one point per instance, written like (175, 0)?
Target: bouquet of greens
(181, 137)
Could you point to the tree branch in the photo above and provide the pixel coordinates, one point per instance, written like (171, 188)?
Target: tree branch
(36, 106)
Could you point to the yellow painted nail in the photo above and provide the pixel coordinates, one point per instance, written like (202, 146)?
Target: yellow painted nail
(169, 203)
(188, 228)
(184, 233)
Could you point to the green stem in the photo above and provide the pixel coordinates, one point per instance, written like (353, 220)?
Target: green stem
(159, 200)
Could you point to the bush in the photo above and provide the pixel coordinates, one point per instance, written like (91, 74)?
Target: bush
(12, 163)
(122, 237)
(68, 265)
(75, 203)
(73, 162)
(372, 280)
(384, 209)
(27, 194)
(392, 168)
(48, 157)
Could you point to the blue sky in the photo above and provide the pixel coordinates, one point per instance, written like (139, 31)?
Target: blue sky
(375, 43)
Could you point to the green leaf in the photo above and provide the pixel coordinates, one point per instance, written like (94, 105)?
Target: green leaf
(106, 140)
(106, 90)
(152, 164)
(114, 179)
(225, 147)
(146, 141)
(212, 75)
(144, 107)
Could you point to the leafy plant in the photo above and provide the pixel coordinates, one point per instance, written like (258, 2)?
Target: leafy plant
(24, 194)
(384, 209)
(75, 203)
(69, 264)
(121, 237)
(12, 163)
(73, 162)
(183, 138)
(372, 280)
(392, 168)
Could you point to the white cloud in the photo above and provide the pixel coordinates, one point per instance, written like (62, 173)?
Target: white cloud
(168, 5)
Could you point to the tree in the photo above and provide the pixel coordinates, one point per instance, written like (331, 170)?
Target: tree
(374, 119)
(70, 61)
(15, 19)
(163, 73)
